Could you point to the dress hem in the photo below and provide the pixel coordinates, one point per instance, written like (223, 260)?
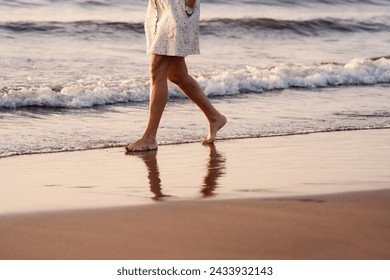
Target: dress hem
(176, 55)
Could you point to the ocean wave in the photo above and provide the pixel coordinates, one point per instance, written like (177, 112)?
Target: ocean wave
(254, 79)
(302, 2)
(71, 28)
(72, 95)
(215, 27)
(18, 4)
(80, 3)
(308, 27)
(249, 79)
(113, 3)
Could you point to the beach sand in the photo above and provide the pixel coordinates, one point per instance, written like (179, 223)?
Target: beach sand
(349, 226)
(319, 196)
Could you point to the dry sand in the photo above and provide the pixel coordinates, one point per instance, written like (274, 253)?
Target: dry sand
(268, 198)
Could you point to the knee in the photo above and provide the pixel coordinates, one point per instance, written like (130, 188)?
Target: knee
(159, 68)
(157, 74)
(176, 78)
(182, 81)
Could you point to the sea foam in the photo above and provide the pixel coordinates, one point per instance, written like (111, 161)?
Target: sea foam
(245, 79)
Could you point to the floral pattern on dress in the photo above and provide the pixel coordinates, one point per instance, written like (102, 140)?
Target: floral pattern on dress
(169, 30)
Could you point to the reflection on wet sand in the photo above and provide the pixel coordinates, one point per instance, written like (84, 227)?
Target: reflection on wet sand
(215, 169)
(150, 160)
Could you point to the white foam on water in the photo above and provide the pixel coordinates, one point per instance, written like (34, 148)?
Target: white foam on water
(105, 91)
(254, 79)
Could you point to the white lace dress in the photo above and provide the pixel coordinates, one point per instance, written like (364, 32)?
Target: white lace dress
(170, 30)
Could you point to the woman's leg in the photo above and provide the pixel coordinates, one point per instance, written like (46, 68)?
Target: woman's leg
(159, 66)
(178, 74)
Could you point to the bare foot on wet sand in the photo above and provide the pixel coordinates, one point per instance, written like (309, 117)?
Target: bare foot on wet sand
(142, 145)
(215, 126)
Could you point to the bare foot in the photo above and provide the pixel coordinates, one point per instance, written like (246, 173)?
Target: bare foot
(214, 127)
(142, 145)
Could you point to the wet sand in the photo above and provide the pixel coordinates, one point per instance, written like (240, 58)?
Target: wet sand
(320, 196)
(344, 226)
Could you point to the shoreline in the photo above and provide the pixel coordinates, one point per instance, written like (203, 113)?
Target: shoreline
(219, 140)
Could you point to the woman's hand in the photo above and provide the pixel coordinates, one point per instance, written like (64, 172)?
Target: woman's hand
(190, 3)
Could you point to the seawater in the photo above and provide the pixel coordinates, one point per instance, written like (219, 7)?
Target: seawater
(74, 74)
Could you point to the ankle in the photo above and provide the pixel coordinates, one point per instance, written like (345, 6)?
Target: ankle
(217, 118)
(148, 139)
